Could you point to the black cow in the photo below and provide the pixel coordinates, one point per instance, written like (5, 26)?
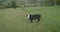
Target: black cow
(34, 17)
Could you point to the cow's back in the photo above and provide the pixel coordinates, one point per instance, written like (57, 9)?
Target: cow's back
(36, 16)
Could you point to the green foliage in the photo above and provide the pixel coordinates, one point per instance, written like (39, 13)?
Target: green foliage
(27, 3)
(58, 2)
(13, 4)
(2, 3)
(22, 2)
(32, 1)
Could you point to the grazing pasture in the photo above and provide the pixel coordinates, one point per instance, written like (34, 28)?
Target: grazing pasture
(15, 20)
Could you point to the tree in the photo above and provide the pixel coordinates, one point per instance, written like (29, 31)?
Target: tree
(2, 3)
(32, 1)
(58, 2)
(14, 5)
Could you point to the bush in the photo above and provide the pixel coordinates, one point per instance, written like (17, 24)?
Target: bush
(13, 4)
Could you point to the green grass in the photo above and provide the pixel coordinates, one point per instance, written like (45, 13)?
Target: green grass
(15, 20)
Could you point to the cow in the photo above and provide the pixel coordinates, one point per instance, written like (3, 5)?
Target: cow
(34, 17)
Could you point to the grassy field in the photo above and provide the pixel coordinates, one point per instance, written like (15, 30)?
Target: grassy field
(15, 20)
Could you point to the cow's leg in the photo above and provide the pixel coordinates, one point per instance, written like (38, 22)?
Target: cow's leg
(31, 20)
(38, 20)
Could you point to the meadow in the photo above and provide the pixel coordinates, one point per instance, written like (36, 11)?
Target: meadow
(15, 20)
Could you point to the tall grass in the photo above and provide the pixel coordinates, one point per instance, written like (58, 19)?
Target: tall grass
(15, 20)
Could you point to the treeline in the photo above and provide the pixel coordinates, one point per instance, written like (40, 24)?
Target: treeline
(28, 3)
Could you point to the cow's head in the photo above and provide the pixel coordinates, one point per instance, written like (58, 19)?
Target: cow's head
(28, 16)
